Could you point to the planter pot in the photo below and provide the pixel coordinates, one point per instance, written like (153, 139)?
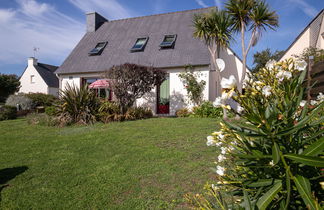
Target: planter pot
(163, 109)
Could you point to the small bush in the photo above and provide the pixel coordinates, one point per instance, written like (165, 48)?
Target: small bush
(41, 99)
(24, 102)
(42, 119)
(136, 113)
(109, 111)
(8, 112)
(183, 112)
(51, 110)
(206, 109)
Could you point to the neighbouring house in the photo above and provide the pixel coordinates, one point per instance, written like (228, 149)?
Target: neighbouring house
(164, 41)
(311, 36)
(39, 78)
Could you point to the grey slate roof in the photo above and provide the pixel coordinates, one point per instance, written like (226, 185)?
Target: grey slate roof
(46, 71)
(122, 34)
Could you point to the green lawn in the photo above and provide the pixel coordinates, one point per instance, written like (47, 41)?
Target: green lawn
(146, 164)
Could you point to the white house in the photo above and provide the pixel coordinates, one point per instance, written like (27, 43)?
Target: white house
(39, 78)
(311, 36)
(164, 41)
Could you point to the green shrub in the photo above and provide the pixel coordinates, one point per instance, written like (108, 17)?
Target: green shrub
(41, 99)
(8, 112)
(109, 111)
(51, 110)
(137, 113)
(272, 158)
(24, 102)
(77, 105)
(183, 112)
(206, 109)
(42, 119)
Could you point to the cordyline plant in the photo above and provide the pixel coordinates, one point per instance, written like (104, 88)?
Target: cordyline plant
(131, 82)
(272, 157)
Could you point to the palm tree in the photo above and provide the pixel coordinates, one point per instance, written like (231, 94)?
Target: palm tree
(254, 14)
(215, 29)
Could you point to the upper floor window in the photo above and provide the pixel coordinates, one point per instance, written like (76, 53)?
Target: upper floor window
(98, 48)
(32, 79)
(168, 41)
(139, 44)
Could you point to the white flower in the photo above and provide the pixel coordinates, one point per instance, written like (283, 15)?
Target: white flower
(287, 74)
(313, 102)
(320, 97)
(271, 163)
(266, 90)
(251, 143)
(302, 103)
(210, 141)
(219, 143)
(224, 149)
(281, 75)
(220, 170)
(215, 187)
(218, 102)
(240, 109)
(258, 85)
(301, 65)
(228, 83)
(221, 158)
(228, 95)
(270, 64)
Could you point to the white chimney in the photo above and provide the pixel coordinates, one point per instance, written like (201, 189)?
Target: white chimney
(32, 61)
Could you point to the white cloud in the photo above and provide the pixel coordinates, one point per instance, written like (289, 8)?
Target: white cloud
(305, 7)
(34, 24)
(110, 9)
(201, 3)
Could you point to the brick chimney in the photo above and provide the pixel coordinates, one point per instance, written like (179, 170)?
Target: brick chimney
(32, 61)
(94, 21)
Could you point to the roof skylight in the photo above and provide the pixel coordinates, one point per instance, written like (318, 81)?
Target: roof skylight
(139, 44)
(168, 41)
(98, 49)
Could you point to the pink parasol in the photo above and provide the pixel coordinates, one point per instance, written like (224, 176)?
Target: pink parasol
(102, 83)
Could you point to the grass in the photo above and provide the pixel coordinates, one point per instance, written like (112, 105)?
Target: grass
(147, 164)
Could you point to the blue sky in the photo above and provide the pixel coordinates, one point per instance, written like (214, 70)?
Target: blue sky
(55, 27)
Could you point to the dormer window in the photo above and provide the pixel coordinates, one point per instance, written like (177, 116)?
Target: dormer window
(168, 41)
(98, 49)
(139, 44)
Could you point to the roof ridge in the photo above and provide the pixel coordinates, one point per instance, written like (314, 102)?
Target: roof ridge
(167, 13)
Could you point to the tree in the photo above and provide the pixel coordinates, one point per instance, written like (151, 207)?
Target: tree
(132, 81)
(215, 29)
(9, 84)
(261, 58)
(255, 15)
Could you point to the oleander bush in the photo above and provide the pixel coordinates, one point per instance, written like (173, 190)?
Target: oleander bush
(24, 102)
(272, 158)
(8, 112)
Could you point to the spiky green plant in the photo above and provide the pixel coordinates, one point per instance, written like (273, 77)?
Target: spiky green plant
(78, 105)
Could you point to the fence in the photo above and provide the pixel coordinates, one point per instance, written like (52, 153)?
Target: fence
(317, 75)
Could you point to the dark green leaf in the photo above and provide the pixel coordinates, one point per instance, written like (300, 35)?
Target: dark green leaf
(275, 153)
(315, 148)
(247, 202)
(266, 199)
(303, 187)
(307, 160)
(263, 182)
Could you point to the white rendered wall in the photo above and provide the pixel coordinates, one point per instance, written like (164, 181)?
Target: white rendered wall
(39, 86)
